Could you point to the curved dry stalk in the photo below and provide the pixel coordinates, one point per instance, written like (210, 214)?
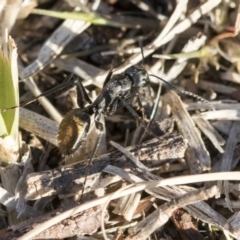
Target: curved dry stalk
(234, 176)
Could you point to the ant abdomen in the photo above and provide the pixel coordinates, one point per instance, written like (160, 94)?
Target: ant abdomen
(73, 130)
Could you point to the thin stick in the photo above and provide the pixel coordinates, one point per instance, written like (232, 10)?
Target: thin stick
(234, 176)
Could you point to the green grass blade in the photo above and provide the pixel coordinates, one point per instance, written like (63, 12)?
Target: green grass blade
(8, 88)
(94, 18)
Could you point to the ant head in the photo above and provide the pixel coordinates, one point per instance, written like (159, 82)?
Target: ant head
(138, 76)
(73, 130)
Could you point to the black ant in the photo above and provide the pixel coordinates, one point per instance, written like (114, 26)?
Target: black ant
(117, 91)
(75, 125)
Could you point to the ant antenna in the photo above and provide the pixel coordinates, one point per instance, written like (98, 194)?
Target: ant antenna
(185, 92)
(149, 89)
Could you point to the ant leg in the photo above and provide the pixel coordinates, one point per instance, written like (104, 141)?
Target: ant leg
(135, 115)
(154, 109)
(99, 139)
(98, 123)
(130, 97)
(67, 84)
(129, 108)
(113, 107)
(115, 104)
(81, 92)
(140, 106)
(82, 96)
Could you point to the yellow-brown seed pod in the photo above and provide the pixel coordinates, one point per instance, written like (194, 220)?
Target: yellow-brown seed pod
(73, 130)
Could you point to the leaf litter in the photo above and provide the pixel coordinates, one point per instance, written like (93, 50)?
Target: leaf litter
(126, 191)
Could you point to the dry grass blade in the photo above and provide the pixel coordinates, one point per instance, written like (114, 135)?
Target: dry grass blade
(181, 63)
(71, 177)
(39, 125)
(167, 193)
(179, 28)
(51, 110)
(139, 165)
(227, 158)
(159, 217)
(8, 200)
(216, 139)
(197, 155)
(8, 8)
(80, 68)
(127, 205)
(221, 115)
(54, 45)
(131, 189)
(217, 87)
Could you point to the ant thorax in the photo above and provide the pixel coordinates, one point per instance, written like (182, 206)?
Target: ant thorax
(118, 87)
